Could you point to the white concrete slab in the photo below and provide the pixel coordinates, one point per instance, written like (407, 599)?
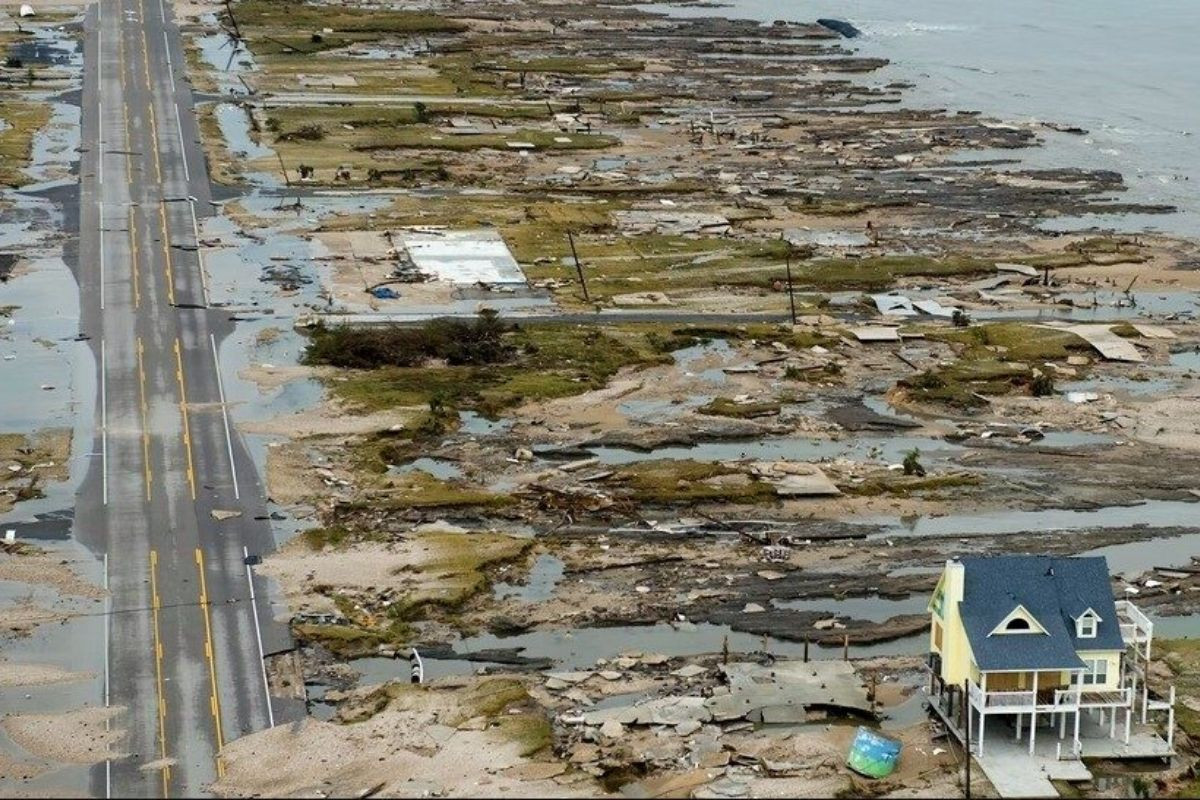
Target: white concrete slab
(463, 257)
(1107, 343)
(1015, 773)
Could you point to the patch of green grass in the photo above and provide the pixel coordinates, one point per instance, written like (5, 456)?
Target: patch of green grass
(826, 373)
(452, 566)
(489, 698)
(315, 18)
(531, 731)
(1013, 340)
(993, 359)
(345, 641)
(23, 120)
(909, 485)
(418, 489)
(675, 481)
(965, 384)
(881, 272)
(727, 407)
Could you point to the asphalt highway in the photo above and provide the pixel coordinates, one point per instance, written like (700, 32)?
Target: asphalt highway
(185, 638)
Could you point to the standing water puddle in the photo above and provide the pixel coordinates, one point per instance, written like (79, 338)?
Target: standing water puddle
(544, 576)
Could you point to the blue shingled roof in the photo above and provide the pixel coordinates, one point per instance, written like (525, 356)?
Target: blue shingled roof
(1055, 591)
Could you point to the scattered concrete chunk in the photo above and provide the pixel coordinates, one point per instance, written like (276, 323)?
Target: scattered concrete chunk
(875, 333)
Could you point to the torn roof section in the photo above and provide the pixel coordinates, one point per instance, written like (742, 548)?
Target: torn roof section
(1055, 592)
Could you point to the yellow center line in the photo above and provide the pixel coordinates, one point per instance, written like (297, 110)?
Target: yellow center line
(137, 293)
(183, 410)
(156, 604)
(162, 214)
(210, 652)
(145, 427)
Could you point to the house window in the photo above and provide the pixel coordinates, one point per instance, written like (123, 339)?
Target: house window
(1085, 626)
(1096, 673)
(937, 636)
(1018, 624)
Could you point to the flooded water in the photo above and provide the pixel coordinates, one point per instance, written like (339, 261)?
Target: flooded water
(437, 467)
(227, 58)
(1027, 60)
(75, 645)
(1151, 514)
(544, 575)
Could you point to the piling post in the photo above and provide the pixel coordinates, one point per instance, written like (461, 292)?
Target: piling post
(845, 647)
(966, 700)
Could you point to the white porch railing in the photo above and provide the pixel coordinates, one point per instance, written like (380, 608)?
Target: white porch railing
(1136, 627)
(1070, 699)
(1010, 699)
(1082, 697)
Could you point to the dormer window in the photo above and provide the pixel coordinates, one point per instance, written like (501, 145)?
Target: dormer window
(1018, 621)
(1085, 626)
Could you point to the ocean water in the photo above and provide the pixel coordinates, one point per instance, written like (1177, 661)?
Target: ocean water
(1127, 72)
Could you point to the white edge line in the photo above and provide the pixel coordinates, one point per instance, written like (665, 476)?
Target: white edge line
(199, 250)
(262, 658)
(104, 420)
(107, 720)
(101, 214)
(187, 176)
(225, 417)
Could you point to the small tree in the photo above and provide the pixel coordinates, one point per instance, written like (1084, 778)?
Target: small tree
(1042, 384)
(912, 463)
(421, 111)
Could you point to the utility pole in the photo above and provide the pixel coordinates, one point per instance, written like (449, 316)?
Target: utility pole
(791, 294)
(578, 267)
(286, 180)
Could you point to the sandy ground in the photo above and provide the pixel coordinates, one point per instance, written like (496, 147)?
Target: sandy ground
(21, 619)
(15, 674)
(269, 377)
(1172, 421)
(37, 459)
(76, 737)
(13, 770)
(399, 753)
(46, 570)
(328, 420)
(419, 565)
(291, 479)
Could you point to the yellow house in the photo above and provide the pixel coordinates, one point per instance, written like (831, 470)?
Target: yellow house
(1020, 636)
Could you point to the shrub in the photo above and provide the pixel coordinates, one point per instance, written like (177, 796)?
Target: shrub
(458, 342)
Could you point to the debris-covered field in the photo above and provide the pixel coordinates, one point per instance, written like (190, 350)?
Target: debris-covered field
(641, 373)
(742, 350)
